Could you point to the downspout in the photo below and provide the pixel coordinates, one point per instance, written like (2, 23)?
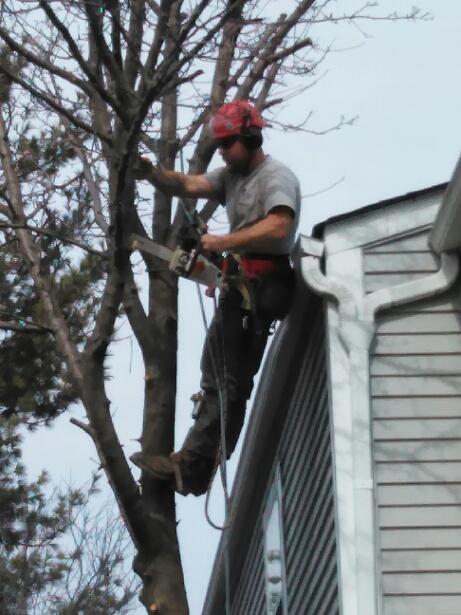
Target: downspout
(356, 331)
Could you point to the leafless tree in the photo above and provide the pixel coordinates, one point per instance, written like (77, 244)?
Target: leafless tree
(96, 82)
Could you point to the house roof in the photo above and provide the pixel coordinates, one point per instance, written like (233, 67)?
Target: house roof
(446, 232)
(319, 228)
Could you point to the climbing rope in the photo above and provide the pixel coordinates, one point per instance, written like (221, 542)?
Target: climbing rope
(221, 459)
(222, 453)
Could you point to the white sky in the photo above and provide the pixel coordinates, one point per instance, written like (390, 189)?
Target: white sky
(404, 85)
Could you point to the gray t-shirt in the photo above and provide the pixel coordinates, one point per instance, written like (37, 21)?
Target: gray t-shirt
(249, 198)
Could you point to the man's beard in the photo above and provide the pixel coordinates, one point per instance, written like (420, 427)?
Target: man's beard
(241, 166)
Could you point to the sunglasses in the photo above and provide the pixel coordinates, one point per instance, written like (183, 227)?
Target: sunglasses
(226, 142)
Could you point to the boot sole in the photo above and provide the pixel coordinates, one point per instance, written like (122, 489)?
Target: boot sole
(146, 468)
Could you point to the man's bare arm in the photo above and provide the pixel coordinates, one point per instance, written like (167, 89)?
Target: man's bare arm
(174, 183)
(276, 225)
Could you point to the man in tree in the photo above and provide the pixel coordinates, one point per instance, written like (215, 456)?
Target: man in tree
(262, 199)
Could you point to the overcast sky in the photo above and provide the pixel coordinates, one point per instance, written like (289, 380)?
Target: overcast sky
(404, 85)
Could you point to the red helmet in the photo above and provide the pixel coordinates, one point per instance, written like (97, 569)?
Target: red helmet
(234, 118)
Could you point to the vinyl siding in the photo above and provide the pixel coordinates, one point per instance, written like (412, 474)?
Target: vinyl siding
(303, 453)
(308, 505)
(250, 594)
(284, 389)
(398, 261)
(416, 406)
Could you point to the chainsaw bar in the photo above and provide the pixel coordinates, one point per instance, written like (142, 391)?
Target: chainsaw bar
(189, 265)
(147, 245)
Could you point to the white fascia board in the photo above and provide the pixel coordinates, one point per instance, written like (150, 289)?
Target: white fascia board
(446, 233)
(343, 463)
(348, 365)
(382, 223)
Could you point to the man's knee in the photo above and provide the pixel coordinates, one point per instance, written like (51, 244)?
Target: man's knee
(239, 389)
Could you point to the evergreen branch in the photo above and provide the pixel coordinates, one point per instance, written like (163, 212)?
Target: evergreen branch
(25, 328)
(5, 211)
(32, 259)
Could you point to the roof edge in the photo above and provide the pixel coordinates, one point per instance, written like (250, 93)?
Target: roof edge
(319, 228)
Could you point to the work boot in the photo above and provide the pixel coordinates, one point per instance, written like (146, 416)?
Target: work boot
(190, 472)
(158, 465)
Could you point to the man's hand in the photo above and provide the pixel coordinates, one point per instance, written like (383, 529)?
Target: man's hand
(143, 168)
(214, 243)
(276, 225)
(173, 183)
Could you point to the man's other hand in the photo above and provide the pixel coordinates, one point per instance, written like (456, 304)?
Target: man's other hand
(142, 168)
(214, 243)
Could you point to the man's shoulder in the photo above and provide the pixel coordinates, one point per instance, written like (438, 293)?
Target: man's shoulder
(273, 165)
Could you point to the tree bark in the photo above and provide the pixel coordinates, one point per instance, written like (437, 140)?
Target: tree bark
(161, 570)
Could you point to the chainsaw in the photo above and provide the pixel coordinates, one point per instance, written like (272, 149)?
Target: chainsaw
(186, 260)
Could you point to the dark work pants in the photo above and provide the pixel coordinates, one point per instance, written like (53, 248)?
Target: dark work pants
(234, 349)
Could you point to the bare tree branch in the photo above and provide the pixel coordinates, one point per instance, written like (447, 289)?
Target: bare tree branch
(59, 72)
(53, 104)
(107, 56)
(163, 12)
(59, 25)
(132, 62)
(85, 427)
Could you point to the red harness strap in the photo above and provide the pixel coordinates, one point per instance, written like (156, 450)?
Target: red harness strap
(253, 267)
